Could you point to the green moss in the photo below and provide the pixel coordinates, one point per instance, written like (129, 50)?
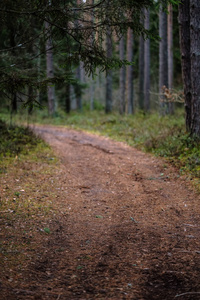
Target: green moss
(15, 140)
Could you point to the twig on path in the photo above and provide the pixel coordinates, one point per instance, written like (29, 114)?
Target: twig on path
(189, 293)
(133, 220)
(186, 251)
(190, 225)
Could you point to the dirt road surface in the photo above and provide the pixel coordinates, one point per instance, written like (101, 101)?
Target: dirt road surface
(131, 226)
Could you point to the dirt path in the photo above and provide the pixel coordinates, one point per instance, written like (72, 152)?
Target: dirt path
(130, 229)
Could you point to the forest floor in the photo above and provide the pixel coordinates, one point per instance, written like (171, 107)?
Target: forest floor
(126, 226)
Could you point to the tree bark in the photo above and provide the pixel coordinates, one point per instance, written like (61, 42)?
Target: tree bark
(92, 87)
(163, 61)
(78, 89)
(195, 64)
(108, 107)
(170, 54)
(50, 71)
(130, 88)
(141, 74)
(12, 44)
(68, 99)
(184, 23)
(122, 77)
(79, 73)
(147, 65)
(30, 99)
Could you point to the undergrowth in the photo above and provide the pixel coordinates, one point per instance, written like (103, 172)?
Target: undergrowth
(29, 185)
(15, 140)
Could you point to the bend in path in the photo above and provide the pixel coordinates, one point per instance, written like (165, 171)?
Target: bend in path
(132, 229)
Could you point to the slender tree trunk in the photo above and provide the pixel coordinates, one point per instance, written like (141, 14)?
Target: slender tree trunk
(91, 95)
(184, 22)
(50, 71)
(30, 99)
(122, 77)
(130, 88)
(68, 99)
(141, 71)
(39, 98)
(13, 44)
(108, 107)
(195, 64)
(170, 54)
(163, 61)
(147, 65)
(141, 74)
(92, 87)
(79, 73)
(14, 102)
(78, 89)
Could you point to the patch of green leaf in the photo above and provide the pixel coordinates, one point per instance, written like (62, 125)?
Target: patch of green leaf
(46, 230)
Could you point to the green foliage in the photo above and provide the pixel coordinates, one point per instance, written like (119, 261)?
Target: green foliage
(75, 37)
(46, 230)
(15, 140)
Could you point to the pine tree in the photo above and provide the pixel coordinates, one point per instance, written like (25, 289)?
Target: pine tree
(195, 65)
(122, 77)
(184, 21)
(163, 61)
(141, 71)
(130, 87)
(61, 17)
(147, 65)
(170, 53)
(108, 106)
(50, 69)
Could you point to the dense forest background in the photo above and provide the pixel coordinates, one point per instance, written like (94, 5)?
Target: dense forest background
(34, 52)
(127, 69)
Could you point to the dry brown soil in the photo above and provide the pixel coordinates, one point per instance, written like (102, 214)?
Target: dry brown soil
(129, 227)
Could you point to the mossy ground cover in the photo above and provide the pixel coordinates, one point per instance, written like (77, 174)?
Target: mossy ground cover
(28, 180)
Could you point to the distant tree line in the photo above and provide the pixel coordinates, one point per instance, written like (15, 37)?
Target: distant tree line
(61, 44)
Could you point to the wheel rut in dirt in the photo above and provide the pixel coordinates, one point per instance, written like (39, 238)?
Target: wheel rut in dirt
(129, 228)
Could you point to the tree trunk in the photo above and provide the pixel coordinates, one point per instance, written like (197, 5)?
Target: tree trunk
(170, 54)
(68, 99)
(50, 71)
(130, 88)
(122, 77)
(163, 61)
(184, 22)
(78, 88)
(92, 87)
(147, 65)
(195, 64)
(30, 99)
(79, 70)
(141, 74)
(108, 107)
(13, 44)
(14, 103)
(141, 69)
(92, 94)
